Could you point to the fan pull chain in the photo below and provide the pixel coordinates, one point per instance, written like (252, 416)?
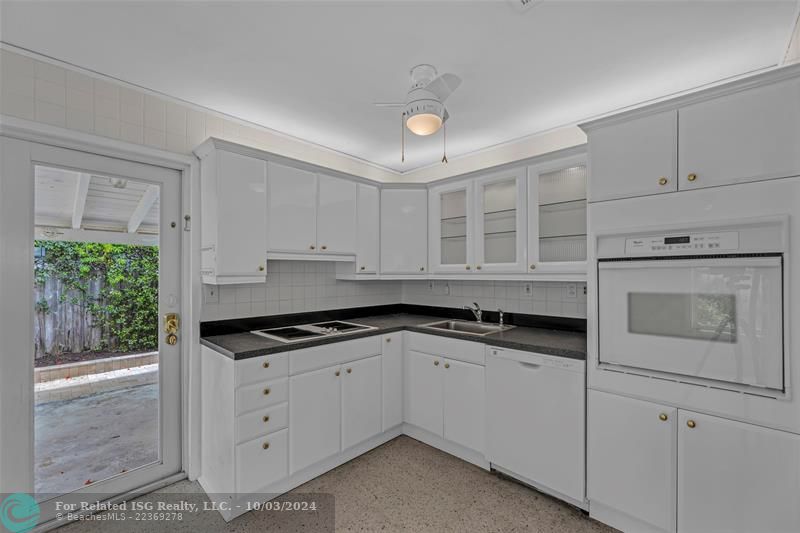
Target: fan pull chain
(444, 143)
(402, 137)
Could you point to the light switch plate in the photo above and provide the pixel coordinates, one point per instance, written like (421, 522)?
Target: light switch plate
(210, 294)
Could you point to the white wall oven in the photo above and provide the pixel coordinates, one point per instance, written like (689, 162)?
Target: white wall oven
(703, 303)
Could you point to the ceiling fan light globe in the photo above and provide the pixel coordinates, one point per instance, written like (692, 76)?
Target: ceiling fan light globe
(424, 124)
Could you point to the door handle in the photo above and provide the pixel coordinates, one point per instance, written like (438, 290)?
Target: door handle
(171, 323)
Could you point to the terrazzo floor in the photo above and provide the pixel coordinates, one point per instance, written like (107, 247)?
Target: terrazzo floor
(403, 486)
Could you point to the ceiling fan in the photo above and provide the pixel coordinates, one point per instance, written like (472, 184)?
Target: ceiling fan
(424, 112)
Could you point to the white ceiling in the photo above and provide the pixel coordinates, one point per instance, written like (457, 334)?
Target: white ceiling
(312, 69)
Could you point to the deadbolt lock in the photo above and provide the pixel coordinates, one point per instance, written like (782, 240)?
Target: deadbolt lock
(172, 339)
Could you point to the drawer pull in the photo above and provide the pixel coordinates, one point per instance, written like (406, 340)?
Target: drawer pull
(349, 370)
(388, 339)
(266, 391)
(447, 365)
(436, 363)
(265, 419)
(663, 417)
(662, 180)
(691, 424)
(265, 364)
(338, 373)
(265, 445)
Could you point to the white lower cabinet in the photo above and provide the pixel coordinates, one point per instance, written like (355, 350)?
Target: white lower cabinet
(261, 460)
(632, 462)
(736, 477)
(464, 403)
(314, 417)
(424, 393)
(361, 400)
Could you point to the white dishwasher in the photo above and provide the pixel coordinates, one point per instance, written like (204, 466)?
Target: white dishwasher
(535, 420)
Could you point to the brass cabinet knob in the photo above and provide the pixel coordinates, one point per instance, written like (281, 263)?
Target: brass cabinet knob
(265, 418)
(662, 180)
(349, 370)
(338, 373)
(436, 363)
(532, 267)
(261, 268)
(324, 247)
(447, 365)
(265, 445)
(663, 417)
(265, 364)
(478, 267)
(388, 339)
(266, 391)
(691, 177)
(311, 247)
(690, 423)
(363, 268)
(467, 267)
(422, 269)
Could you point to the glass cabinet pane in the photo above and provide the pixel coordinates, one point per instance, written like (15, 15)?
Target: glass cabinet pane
(562, 214)
(500, 222)
(454, 228)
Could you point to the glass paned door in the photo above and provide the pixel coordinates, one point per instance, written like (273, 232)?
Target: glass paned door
(501, 215)
(562, 215)
(451, 229)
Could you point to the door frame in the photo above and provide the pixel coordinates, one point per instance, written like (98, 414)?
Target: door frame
(15, 129)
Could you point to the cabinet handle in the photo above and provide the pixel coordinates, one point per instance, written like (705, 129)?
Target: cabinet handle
(478, 267)
(422, 269)
(266, 391)
(663, 417)
(388, 339)
(349, 370)
(265, 419)
(363, 268)
(311, 247)
(691, 424)
(261, 268)
(265, 445)
(533, 267)
(467, 267)
(436, 363)
(338, 373)
(662, 180)
(324, 247)
(691, 177)
(265, 364)
(447, 365)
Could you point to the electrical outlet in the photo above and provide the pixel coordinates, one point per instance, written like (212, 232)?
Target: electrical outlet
(210, 294)
(430, 285)
(447, 289)
(527, 289)
(572, 290)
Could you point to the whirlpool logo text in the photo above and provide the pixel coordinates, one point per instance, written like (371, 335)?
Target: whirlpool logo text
(19, 512)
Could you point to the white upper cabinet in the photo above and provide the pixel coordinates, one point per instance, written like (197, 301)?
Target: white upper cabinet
(233, 204)
(736, 477)
(367, 229)
(450, 223)
(292, 209)
(404, 231)
(500, 219)
(557, 216)
(749, 135)
(636, 157)
(336, 215)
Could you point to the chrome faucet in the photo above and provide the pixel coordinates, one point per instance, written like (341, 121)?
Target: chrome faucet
(500, 311)
(475, 311)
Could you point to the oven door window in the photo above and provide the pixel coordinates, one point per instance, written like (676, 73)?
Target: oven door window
(715, 318)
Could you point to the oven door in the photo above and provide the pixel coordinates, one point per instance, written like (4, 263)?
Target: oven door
(716, 317)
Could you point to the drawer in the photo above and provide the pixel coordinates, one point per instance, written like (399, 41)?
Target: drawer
(261, 395)
(261, 422)
(469, 352)
(333, 354)
(262, 461)
(262, 368)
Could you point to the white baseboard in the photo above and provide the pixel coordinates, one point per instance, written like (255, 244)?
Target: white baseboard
(582, 504)
(462, 452)
(622, 521)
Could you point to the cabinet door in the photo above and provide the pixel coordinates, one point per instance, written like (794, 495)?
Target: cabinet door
(404, 231)
(634, 158)
(746, 136)
(500, 222)
(464, 404)
(557, 216)
(314, 417)
(423, 391)
(361, 400)
(632, 460)
(450, 227)
(736, 477)
(292, 209)
(392, 369)
(241, 208)
(336, 216)
(367, 229)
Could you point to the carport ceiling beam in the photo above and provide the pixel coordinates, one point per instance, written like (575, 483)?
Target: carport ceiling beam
(148, 199)
(81, 190)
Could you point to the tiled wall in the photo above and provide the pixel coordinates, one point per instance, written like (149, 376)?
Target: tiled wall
(297, 286)
(539, 298)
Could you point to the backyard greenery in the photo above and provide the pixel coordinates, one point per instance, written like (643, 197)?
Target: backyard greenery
(93, 296)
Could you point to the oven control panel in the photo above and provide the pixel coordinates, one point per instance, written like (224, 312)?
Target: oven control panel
(683, 244)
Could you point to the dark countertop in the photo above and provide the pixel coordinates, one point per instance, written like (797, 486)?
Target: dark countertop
(562, 343)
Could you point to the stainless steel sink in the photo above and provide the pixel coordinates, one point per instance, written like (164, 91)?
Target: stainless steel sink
(467, 327)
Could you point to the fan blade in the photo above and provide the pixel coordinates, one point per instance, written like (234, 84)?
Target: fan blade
(444, 85)
(445, 116)
(388, 104)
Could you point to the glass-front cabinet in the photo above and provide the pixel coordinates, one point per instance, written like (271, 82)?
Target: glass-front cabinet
(557, 225)
(500, 217)
(451, 227)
